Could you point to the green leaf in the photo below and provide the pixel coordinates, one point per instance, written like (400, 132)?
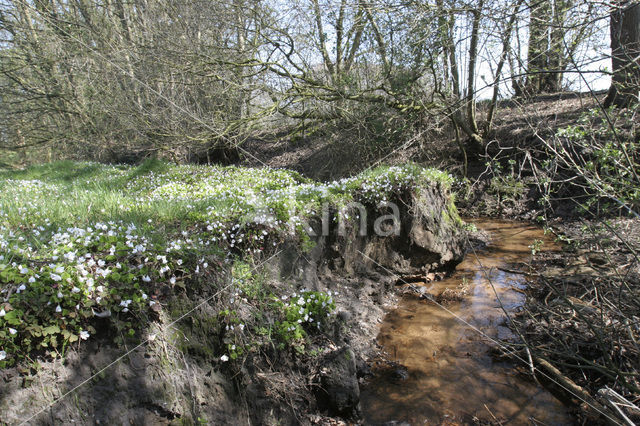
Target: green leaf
(69, 336)
(11, 317)
(52, 329)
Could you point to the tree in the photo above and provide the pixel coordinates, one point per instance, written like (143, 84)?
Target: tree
(120, 80)
(625, 54)
(557, 29)
(546, 55)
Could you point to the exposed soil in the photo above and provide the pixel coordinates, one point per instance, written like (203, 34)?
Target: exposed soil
(516, 124)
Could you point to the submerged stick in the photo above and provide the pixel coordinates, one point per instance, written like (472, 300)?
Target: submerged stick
(577, 390)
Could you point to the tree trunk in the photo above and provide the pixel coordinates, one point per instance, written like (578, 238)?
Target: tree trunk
(625, 54)
(506, 44)
(556, 55)
(540, 18)
(547, 53)
(473, 57)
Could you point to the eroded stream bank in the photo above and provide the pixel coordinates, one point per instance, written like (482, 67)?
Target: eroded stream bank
(446, 371)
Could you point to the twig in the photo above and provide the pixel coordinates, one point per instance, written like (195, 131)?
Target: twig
(515, 271)
(494, 417)
(608, 394)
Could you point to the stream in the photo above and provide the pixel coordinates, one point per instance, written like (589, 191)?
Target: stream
(446, 373)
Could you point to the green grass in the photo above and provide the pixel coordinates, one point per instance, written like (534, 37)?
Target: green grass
(70, 194)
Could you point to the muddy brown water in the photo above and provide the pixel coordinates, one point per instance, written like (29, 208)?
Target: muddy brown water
(447, 374)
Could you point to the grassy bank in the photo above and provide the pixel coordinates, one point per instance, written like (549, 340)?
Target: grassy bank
(84, 241)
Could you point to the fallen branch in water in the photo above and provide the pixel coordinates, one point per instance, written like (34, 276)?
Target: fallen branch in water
(515, 271)
(594, 406)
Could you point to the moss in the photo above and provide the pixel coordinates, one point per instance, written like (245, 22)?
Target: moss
(451, 214)
(197, 335)
(306, 243)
